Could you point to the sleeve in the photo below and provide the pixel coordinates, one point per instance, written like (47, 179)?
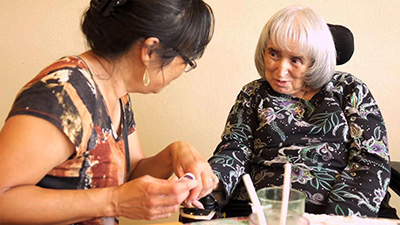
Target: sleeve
(361, 187)
(62, 99)
(230, 159)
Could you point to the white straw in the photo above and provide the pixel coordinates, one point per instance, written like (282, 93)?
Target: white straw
(254, 199)
(285, 194)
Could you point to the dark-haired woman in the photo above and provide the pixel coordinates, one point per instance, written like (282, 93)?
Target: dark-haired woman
(69, 148)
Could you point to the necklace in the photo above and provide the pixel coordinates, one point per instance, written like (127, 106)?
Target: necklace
(299, 105)
(299, 108)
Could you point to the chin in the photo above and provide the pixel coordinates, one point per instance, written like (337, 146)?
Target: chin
(280, 90)
(157, 91)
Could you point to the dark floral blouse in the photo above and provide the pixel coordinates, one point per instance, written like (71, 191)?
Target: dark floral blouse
(336, 143)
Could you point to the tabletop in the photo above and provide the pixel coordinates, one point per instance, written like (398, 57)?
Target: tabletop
(313, 219)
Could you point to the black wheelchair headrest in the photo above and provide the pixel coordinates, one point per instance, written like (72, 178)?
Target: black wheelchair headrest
(344, 43)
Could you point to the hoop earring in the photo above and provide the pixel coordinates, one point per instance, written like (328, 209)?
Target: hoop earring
(146, 78)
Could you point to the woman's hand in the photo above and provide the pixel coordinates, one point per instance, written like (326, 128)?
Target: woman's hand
(151, 198)
(185, 158)
(179, 158)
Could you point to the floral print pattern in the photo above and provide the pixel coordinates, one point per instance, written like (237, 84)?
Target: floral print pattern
(336, 143)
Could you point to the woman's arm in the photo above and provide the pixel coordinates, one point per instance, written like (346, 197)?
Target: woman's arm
(361, 187)
(30, 147)
(179, 158)
(159, 166)
(230, 159)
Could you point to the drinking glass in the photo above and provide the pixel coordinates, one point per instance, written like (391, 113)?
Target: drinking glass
(271, 202)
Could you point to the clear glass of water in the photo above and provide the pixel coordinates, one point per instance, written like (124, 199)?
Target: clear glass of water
(271, 202)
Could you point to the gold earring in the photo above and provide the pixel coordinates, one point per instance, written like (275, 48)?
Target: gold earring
(146, 78)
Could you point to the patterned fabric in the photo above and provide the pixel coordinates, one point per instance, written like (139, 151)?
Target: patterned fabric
(66, 95)
(336, 144)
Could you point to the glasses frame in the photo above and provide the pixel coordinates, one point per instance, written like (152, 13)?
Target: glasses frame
(192, 64)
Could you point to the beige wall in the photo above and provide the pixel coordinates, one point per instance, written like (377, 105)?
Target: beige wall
(34, 33)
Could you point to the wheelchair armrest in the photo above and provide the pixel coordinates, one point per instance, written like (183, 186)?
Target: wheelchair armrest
(395, 178)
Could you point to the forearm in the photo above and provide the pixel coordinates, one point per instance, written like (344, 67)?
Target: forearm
(361, 187)
(351, 198)
(229, 163)
(159, 165)
(179, 157)
(363, 184)
(230, 159)
(32, 204)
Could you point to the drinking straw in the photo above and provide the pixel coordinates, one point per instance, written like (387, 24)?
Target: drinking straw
(285, 194)
(254, 199)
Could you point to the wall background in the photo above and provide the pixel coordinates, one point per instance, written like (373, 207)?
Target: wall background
(194, 108)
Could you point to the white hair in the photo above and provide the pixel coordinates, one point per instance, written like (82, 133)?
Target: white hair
(306, 29)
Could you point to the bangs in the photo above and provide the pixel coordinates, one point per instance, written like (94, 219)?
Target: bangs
(303, 30)
(291, 37)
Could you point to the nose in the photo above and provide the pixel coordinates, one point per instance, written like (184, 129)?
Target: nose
(283, 67)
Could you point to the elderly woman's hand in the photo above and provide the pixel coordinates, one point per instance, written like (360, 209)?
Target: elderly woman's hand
(185, 158)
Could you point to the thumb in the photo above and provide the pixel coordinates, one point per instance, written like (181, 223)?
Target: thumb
(187, 182)
(172, 186)
(188, 177)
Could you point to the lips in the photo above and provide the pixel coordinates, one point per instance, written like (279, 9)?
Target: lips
(281, 82)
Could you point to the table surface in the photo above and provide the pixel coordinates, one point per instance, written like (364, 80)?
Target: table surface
(313, 219)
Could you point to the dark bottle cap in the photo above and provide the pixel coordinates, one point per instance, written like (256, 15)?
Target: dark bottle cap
(208, 202)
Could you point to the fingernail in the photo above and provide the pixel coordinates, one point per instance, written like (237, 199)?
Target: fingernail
(187, 176)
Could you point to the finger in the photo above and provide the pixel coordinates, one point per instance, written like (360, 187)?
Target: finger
(189, 176)
(197, 204)
(160, 212)
(186, 205)
(161, 202)
(153, 216)
(209, 183)
(168, 192)
(179, 171)
(160, 216)
(195, 192)
(172, 187)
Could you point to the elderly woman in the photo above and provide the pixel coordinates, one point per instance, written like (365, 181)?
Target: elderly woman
(326, 124)
(69, 150)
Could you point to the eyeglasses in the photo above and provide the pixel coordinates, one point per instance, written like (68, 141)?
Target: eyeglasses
(190, 64)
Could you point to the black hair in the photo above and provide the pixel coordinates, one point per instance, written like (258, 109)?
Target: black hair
(184, 25)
